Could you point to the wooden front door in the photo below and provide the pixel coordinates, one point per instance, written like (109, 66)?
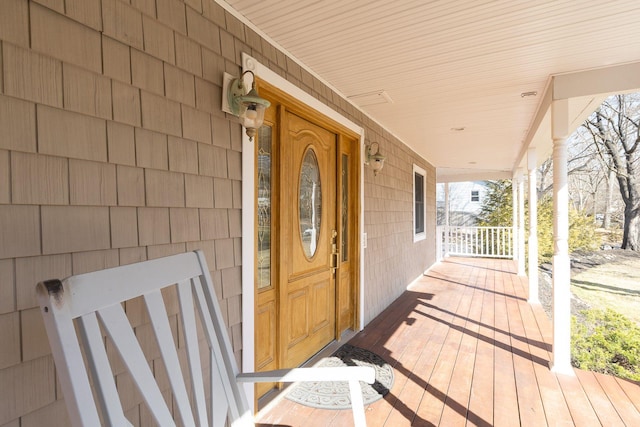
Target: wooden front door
(307, 252)
(309, 233)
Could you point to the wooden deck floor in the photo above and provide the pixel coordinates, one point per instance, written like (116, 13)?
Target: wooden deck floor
(468, 350)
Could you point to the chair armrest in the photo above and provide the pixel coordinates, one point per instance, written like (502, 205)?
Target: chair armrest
(345, 373)
(351, 374)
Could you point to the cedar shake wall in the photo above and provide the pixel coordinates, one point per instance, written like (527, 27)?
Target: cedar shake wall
(392, 259)
(113, 149)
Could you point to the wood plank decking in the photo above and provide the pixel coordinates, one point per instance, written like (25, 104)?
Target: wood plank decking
(468, 350)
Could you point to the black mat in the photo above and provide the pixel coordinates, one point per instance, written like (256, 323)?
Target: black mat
(335, 394)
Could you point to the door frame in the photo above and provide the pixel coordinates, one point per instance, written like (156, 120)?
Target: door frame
(249, 210)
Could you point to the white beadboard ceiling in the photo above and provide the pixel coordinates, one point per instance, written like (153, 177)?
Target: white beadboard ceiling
(424, 69)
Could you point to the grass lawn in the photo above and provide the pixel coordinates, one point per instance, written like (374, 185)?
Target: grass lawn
(613, 285)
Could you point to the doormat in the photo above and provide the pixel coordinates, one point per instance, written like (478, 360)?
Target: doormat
(335, 394)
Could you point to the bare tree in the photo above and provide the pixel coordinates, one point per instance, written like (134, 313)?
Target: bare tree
(582, 162)
(615, 132)
(583, 190)
(545, 178)
(588, 174)
(608, 209)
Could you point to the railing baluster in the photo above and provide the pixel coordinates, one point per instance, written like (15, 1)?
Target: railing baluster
(494, 242)
(495, 247)
(504, 244)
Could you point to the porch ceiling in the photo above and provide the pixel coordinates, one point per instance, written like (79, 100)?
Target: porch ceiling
(447, 65)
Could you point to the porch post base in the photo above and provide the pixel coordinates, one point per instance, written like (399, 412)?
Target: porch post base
(561, 355)
(562, 369)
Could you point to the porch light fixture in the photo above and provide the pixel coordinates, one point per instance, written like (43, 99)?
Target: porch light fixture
(374, 159)
(247, 106)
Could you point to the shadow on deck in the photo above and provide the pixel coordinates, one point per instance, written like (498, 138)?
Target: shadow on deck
(467, 349)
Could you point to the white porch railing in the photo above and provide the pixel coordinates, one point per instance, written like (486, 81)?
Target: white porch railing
(487, 242)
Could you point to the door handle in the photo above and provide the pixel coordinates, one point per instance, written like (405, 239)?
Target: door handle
(334, 261)
(335, 255)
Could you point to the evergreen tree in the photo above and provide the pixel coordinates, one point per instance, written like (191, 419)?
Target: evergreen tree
(497, 206)
(497, 211)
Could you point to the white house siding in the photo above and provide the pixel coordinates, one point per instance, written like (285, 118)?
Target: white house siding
(113, 149)
(462, 210)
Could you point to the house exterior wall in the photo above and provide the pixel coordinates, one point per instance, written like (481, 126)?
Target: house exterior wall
(460, 196)
(113, 149)
(463, 211)
(392, 259)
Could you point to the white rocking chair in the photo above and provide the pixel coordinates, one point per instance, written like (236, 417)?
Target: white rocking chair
(88, 297)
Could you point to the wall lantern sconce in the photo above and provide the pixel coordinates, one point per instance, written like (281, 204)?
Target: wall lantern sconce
(374, 159)
(247, 106)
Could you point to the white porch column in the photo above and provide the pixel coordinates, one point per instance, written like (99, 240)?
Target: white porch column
(514, 202)
(521, 248)
(533, 227)
(446, 219)
(561, 362)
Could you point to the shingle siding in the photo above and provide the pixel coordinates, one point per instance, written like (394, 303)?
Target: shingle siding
(113, 150)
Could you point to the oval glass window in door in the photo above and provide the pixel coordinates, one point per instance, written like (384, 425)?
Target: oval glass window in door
(310, 202)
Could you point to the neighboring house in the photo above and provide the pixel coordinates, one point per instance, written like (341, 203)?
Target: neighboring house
(465, 202)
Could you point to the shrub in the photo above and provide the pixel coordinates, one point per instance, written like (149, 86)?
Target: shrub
(497, 208)
(606, 341)
(582, 231)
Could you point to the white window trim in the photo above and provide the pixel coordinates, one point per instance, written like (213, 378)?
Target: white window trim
(417, 169)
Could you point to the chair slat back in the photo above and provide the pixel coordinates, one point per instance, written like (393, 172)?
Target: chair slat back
(101, 370)
(185, 298)
(95, 302)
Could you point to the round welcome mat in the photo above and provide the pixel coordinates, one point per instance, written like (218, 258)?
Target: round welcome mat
(335, 394)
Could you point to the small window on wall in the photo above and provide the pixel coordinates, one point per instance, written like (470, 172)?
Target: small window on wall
(475, 196)
(419, 205)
